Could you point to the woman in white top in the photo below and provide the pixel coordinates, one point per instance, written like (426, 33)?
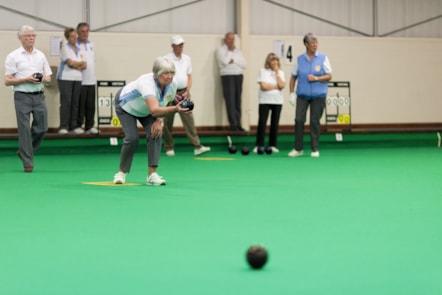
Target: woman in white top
(271, 82)
(69, 83)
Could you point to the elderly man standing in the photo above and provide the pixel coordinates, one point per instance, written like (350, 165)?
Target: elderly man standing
(232, 64)
(183, 77)
(86, 109)
(26, 70)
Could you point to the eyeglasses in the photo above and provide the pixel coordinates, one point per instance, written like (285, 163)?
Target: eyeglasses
(30, 35)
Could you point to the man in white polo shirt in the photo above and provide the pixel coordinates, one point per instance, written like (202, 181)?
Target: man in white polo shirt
(26, 70)
(183, 77)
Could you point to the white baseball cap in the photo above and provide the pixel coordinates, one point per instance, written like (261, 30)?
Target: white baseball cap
(177, 40)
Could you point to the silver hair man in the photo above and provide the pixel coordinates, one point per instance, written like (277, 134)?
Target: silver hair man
(25, 29)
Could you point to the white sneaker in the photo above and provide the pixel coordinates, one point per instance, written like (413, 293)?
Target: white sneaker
(315, 154)
(274, 149)
(92, 131)
(201, 150)
(78, 131)
(255, 149)
(295, 153)
(155, 179)
(170, 153)
(120, 178)
(62, 131)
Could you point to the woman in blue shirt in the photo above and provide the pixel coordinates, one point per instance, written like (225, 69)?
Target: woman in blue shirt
(311, 71)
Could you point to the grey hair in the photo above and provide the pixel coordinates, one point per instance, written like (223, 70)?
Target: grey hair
(309, 38)
(162, 65)
(25, 28)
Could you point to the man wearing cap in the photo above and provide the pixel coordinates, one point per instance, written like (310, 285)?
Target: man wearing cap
(183, 77)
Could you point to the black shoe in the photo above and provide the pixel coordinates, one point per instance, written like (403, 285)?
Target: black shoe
(238, 129)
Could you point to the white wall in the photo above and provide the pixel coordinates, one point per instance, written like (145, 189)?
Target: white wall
(393, 80)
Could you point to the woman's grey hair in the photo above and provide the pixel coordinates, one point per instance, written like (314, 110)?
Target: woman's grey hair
(162, 65)
(25, 28)
(309, 38)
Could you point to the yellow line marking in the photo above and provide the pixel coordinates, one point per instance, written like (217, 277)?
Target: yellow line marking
(110, 183)
(215, 159)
